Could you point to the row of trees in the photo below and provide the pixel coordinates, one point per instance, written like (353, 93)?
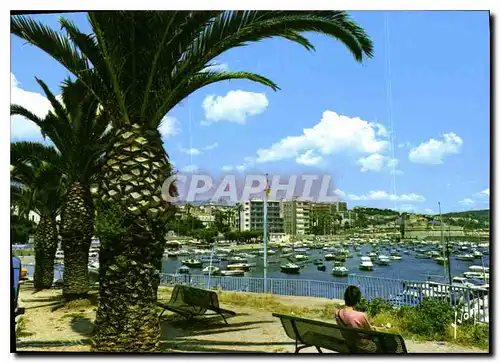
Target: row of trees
(128, 73)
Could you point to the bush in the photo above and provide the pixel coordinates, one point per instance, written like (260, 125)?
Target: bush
(373, 307)
(477, 335)
(430, 319)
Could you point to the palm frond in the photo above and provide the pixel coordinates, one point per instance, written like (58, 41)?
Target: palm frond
(27, 151)
(205, 78)
(53, 43)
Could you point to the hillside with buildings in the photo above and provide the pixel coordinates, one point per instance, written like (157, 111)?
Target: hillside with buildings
(287, 218)
(297, 219)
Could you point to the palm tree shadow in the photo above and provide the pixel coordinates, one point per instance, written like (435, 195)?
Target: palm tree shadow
(82, 326)
(56, 305)
(175, 327)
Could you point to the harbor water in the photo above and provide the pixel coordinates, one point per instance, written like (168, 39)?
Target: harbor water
(408, 268)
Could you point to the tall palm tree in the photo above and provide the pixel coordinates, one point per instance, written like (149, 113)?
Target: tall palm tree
(77, 128)
(37, 186)
(140, 65)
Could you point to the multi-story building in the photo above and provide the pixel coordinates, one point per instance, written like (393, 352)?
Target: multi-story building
(328, 216)
(296, 216)
(252, 216)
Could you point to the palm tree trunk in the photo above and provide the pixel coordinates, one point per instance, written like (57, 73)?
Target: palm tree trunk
(45, 252)
(130, 259)
(77, 230)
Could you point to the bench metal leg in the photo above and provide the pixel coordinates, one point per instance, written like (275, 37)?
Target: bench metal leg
(319, 349)
(297, 348)
(223, 317)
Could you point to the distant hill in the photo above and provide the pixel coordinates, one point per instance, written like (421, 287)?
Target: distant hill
(483, 213)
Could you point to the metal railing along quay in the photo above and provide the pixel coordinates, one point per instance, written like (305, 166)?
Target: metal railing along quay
(469, 302)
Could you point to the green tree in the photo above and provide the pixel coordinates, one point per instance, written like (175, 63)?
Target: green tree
(78, 129)
(37, 186)
(140, 65)
(221, 222)
(21, 228)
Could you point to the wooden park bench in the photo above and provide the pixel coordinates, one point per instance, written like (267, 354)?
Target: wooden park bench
(318, 334)
(191, 301)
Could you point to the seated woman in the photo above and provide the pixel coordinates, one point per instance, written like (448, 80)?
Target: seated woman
(350, 318)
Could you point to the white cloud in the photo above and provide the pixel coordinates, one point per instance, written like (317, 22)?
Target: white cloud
(212, 146)
(308, 158)
(428, 211)
(190, 151)
(339, 193)
(248, 161)
(434, 151)
(373, 162)
(381, 130)
(235, 106)
(197, 151)
(382, 195)
(22, 128)
(486, 192)
(467, 201)
(169, 126)
(377, 162)
(334, 133)
(189, 168)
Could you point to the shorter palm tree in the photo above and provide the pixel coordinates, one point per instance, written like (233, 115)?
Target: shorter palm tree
(78, 128)
(37, 185)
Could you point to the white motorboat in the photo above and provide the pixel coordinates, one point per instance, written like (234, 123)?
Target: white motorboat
(192, 263)
(290, 268)
(383, 260)
(239, 266)
(340, 271)
(211, 270)
(301, 257)
(237, 259)
(465, 257)
(232, 273)
(479, 269)
(366, 264)
(477, 254)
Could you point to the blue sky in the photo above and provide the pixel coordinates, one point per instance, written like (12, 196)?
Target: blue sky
(332, 115)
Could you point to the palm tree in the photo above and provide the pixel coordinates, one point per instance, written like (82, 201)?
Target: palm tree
(140, 65)
(38, 186)
(77, 128)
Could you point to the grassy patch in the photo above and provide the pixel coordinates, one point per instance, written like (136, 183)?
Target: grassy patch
(267, 302)
(21, 330)
(430, 321)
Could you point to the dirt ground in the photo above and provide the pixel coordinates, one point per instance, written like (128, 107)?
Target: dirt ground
(49, 326)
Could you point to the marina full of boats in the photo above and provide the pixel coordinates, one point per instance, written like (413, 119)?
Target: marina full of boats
(316, 260)
(331, 260)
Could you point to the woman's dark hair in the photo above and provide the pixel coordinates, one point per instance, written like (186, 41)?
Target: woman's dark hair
(352, 295)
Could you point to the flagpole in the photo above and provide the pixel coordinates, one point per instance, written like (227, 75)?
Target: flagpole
(265, 235)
